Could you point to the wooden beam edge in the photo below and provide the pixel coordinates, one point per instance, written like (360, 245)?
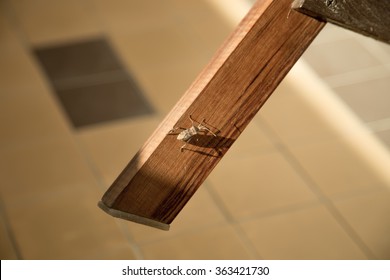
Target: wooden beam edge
(195, 89)
(148, 187)
(132, 217)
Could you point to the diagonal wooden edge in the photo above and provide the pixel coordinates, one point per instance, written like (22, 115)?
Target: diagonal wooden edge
(131, 217)
(160, 179)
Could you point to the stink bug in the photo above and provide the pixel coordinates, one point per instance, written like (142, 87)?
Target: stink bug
(187, 134)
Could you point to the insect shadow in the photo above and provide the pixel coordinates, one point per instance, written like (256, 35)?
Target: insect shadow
(199, 135)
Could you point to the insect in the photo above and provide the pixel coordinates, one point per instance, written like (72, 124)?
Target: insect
(188, 133)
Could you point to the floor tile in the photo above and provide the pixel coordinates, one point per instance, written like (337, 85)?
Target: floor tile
(385, 52)
(306, 234)
(66, 224)
(28, 116)
(126, 16)
(162, 45)
(45, 21)
(75, 59)
(356, 77)
(91, 83)
(206, 21)
(369, 99)
(159, 55)
(111, 147)
(339, 57)
(200, 212)
(95, 104)
(213, 243)
(257, 187)
(379, 125)
(338, 168)
(18, 72)
(332, 33)
(380, 49)
(252, 140)
(52, 176)
(33, 169)
(385, 137)
(369, 217)
(161, 84)
(293, 118)
(7, 245)
(157, 68)
(7, 30)
(122, 251)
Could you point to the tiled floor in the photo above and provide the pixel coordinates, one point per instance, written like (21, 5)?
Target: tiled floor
(306, 180)
(358, 70)
(91, 83)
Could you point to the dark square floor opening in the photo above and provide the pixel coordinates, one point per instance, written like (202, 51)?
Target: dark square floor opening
(91, 83)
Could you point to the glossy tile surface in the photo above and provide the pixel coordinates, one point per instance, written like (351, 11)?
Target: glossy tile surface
(337, 169)
(46, 21)
(369, 98)
(213, 243)
(310, 233)
(263, 184)
(368, 216)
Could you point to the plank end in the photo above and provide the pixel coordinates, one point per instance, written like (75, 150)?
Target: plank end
(133, 218)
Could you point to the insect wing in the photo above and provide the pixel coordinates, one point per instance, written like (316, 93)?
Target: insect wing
(184, 135)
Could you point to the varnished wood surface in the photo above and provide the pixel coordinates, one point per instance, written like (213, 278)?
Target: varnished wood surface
(368, 17)
(161, 178)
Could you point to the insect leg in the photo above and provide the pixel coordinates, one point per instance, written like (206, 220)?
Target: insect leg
(185, 143)
(192, 121)
(173, 130)
(203, 127)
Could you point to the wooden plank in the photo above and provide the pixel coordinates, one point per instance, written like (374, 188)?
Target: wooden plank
(161, 178)
(368, 17)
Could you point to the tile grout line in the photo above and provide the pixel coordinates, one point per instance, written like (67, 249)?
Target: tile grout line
(9, 231)
(181, 233)
(106, 32)
(27, 47)
(357, 194)
(23, 39)
(14, 22)
(101, 23)
(135, 248)
(379, 125)
(366, 74)
(329, 205)
(24, 42)
(281, 210)
(100, 182)
(90, 79)
(229, 218)
(372, 47)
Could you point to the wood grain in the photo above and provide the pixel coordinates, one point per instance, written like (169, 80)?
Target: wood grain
(368, 17)
(160, 179)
